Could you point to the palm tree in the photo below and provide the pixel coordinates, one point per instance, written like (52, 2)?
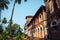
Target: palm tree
(3, 5)
(15, 1)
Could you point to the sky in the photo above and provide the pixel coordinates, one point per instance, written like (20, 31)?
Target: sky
(22, 10)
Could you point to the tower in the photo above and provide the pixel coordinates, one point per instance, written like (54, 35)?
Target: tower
(52, 10)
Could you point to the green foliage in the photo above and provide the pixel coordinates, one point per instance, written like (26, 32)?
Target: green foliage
(4, 20)
(3, 4)
(1, 29)
(16, 30)
(19, 35)
(6, 34)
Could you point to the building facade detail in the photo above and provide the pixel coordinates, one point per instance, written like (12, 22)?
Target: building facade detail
(45, 24)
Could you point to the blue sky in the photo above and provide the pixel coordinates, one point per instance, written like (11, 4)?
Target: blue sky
(21, 11)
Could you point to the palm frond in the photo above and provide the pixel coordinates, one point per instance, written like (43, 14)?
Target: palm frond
(5, 5)
(18, 1)
(1, 7)
(25, 0)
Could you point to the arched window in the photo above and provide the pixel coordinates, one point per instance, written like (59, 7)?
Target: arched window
(41, 28)
(54, 23)
(40, 17)
(38, 29)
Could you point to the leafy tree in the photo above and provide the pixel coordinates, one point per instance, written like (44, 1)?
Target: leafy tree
(3, 5)
(1, 29)
(15, 1)
(16, 31)
(1, 32)
(15, 28)
(6, 34)
(19, 34)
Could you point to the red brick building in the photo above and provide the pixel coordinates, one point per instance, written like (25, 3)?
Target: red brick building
(37, 26)
(45, 24)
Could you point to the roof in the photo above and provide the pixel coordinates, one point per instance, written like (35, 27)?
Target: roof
(39, 10)
(45, 0)
(29, 16)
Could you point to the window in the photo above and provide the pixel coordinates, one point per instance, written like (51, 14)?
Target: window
(54, 23)
(41, 28)
(38, 29)
(40, 17)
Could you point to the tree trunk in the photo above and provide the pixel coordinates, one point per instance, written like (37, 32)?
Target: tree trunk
(0, 15)
(11, 36)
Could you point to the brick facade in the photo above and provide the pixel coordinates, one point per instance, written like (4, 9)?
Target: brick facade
(45, 24)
